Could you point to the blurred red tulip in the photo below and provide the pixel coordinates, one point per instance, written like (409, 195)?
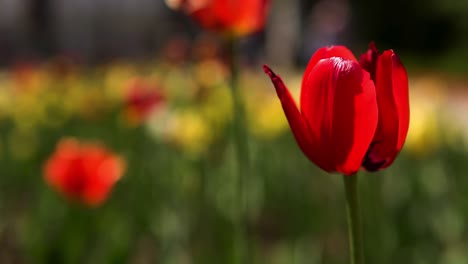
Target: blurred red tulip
(84, 172)
(233, 17)
(26, 76)
(351, 114)
(141, 99)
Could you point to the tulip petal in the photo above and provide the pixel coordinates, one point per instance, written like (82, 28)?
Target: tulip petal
(251, 16)
(296, 121)
(108, 170)
(340, 107)
(323, 53)
(85, 172)
(234, 17)
(393, 102)
(368, 60)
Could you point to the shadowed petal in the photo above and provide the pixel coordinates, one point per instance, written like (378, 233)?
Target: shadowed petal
(340, 107)
(368, 60)
(393, 102)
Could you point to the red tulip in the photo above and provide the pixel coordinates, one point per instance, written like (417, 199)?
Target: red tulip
(141, 99)
(234, 17)
(352, 113)
(84, 172)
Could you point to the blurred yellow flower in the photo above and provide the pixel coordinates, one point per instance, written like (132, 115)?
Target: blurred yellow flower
(424, 132)
(93, 103)
(5, 96)
(210, 72)
(427, 95)
(216, 107)
(116, 79)
(191, 132)
(28, 111)
(265, 116)
(180, 86)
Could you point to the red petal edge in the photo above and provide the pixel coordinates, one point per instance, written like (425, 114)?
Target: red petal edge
(296, 121)
(393, 101)
(369, 59)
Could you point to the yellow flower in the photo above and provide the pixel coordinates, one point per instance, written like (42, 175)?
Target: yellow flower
(191, 132)
(28, 111)
(210, 72)
(265, 115)
(216, 107)
(426, 100)
(267, 118)
(116, 79)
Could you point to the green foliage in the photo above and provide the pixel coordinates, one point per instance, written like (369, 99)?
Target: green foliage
(174, 205)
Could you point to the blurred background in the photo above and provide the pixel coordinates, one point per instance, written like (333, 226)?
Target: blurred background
(69, 67)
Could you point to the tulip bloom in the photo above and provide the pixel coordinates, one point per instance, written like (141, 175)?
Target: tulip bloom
(84, 172)
(237, 18)
(352, 113)
(141, 99)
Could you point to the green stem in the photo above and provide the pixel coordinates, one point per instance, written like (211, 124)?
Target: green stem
(240, 242)
(375, 229)
(356, 245)
(239, 126)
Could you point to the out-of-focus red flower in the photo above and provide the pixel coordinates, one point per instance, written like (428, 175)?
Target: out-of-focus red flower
(238, 17)
(141, 98)
(27, 76)
(84, 172)
(351, 114)
(206, 48)
(62, 67)
(176, 50)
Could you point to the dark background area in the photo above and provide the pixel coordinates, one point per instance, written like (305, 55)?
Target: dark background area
(95, 31)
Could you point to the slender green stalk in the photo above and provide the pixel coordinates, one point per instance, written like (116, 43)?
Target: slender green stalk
(240, 242)
(239, 126)
(356, 245)
(374, 218)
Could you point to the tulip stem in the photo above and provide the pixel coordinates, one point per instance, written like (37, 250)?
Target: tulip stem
(356, 245)
(240, 242)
